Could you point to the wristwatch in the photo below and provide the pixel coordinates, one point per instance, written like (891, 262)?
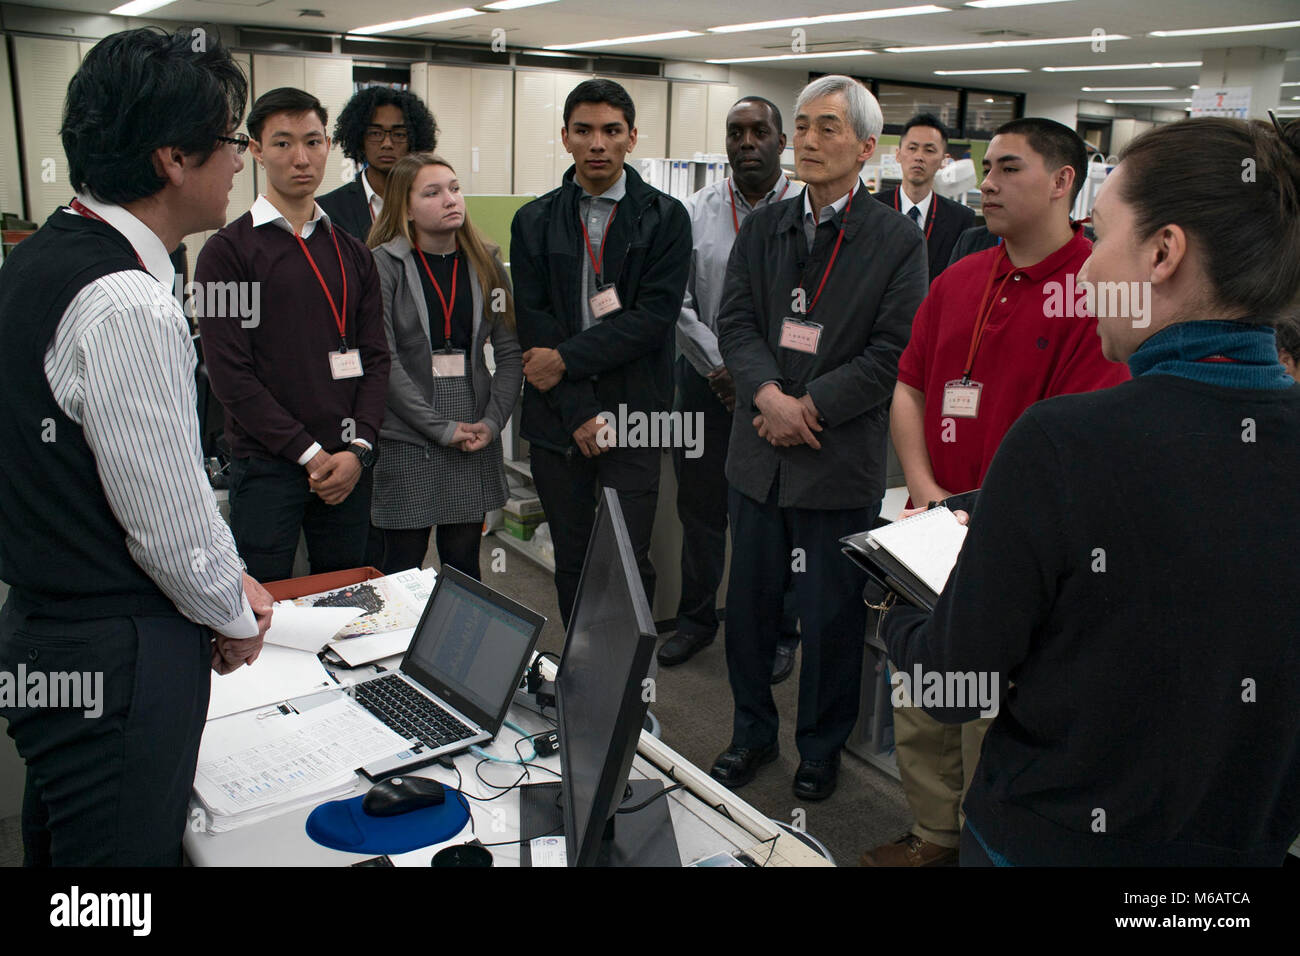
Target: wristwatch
(364, 454)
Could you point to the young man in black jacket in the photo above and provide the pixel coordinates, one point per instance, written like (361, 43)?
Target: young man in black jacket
(599, 268)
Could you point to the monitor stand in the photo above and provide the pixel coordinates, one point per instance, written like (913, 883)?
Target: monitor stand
(644, 838)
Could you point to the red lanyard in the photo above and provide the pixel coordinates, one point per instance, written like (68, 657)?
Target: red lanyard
(982, 317)
(89, 213)
(446, 306)
(339, 320)
(735, 222)
(934, 211)
(834, 252)
(598, 263)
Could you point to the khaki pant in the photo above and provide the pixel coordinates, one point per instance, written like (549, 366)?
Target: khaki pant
(937, 764)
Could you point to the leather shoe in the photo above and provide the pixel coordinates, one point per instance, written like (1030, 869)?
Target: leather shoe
(909, 850)
(815, 779)
(784, 663)
(681, 647)
(736, 766)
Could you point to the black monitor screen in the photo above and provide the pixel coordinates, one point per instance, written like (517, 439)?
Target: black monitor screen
(599, 687)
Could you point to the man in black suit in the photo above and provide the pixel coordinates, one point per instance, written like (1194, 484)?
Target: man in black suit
(377, 128)
(920, 153)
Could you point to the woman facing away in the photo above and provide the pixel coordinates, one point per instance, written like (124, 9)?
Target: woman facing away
(446, 295)
(1129, 574)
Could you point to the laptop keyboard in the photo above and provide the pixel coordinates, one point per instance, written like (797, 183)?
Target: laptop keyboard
(410, 713)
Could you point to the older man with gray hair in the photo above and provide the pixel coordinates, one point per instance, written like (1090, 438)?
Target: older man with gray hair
(817, 307)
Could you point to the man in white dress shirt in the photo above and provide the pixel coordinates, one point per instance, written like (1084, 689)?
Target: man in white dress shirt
(120, 565)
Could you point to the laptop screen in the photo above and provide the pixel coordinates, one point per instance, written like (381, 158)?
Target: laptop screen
(471, 647)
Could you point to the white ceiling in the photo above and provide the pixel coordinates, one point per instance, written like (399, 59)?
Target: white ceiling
(579, 20)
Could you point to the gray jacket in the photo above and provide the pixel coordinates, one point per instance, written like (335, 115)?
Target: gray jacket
(410, 415)
(866, 309)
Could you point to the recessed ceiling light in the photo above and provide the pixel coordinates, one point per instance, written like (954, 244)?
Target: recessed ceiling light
(1291, 84)
(137, 7)
(1124, 89)
(999, 44)
(1119, 66)
(514, 4)
(623, 41)
(994, 4)
(829, 18)
(978, 72)
(794, 56)
(1244, 28)
(461, 13)
(1188, 100)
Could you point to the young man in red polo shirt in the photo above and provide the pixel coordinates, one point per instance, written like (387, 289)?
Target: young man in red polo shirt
(1000, 330)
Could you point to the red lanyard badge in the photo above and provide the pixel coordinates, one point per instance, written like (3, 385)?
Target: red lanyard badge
(598, 261)
(89, 213)
(735, 221)
(982, 317)
(834, 252)
(339, 319)
(930, 217)
(447, 307)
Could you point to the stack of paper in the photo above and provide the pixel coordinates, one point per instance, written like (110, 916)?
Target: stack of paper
(390, 603)
(252, 767)
(280, 673)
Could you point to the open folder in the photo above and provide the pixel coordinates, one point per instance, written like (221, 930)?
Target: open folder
(915, 556)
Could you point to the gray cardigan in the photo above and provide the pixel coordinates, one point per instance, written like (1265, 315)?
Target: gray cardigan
(410, 415)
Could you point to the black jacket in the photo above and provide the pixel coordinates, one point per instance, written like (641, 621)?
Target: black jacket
(866, 311)
(1105, 578)
(347, 207)
(625, 358)
(945, 221)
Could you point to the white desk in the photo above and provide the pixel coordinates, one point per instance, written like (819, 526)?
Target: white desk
(701, 829)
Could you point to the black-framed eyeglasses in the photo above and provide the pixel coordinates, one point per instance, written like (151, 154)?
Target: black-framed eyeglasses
(239, 141)
(376, 134)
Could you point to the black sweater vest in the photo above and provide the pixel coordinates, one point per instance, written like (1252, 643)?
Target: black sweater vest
(61, 548)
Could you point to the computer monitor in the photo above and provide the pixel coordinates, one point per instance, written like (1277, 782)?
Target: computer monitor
(602, 697)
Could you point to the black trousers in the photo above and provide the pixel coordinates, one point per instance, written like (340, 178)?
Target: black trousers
(568, 487)
(832, 619)
(458, 547)
(271, 501)
(108, 784)
(702, 508)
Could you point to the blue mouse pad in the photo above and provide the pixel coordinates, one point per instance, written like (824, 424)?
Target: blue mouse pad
(343, 825)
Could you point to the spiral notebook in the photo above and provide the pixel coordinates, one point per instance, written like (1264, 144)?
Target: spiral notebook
(914, 556)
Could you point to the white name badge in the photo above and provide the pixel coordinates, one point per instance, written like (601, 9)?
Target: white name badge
(449, 364)
(800, 336)
(605, 302)
(961, 399)
(346, 364)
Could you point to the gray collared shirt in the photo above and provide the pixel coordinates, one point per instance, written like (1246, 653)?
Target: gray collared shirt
(713, 232)
(596, 212)
(810, 225)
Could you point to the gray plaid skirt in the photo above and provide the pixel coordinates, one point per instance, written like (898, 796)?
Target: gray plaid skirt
(421, 486)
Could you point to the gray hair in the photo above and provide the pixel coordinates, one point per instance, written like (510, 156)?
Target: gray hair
(864, 111)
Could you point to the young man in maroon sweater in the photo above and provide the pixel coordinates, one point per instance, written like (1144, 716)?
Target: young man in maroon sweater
(303, 378)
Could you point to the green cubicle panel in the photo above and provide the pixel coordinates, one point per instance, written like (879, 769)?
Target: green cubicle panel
(492, 216)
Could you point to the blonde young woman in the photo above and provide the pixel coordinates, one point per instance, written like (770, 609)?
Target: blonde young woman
(445, 296)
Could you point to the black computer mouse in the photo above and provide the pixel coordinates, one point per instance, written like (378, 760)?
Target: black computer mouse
(397, 795)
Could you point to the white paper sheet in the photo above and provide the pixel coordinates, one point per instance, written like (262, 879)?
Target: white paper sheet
(307, 628)
(356, 651)
(279, 674)
(927, 543)
(249, 764)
